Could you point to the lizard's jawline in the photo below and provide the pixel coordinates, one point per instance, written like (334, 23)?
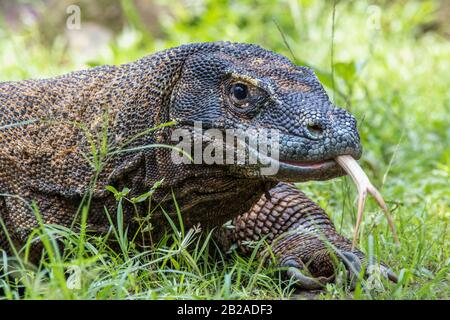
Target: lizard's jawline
(293, 171)
(297, 171)
(296, 165)
(309, 165)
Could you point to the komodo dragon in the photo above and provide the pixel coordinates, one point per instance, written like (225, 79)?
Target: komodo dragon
(48, 127)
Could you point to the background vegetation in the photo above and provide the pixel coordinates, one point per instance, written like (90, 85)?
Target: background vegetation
(387, 62)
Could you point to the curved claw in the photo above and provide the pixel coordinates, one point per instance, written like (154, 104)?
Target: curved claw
(391, 275)
(303, 281)
(353, 265)
(388, 274)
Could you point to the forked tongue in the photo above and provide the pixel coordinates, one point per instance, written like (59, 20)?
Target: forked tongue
(364, 186)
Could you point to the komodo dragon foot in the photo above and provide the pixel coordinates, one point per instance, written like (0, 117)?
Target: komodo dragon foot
(302, 238)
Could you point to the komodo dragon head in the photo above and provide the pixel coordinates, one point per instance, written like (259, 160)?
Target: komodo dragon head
(242, 86)
(245, 87)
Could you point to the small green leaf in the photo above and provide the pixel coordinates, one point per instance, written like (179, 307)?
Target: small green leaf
(112, 190)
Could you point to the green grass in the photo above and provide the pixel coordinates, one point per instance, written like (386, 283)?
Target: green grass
(389, 74)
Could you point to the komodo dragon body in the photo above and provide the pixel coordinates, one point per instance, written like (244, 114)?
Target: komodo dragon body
(53, 131)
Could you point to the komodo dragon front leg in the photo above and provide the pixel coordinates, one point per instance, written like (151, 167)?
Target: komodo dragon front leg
(301, 235)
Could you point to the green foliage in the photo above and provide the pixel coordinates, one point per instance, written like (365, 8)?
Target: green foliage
(380, 65)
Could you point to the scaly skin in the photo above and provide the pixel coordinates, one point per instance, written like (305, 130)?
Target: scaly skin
(48, 126)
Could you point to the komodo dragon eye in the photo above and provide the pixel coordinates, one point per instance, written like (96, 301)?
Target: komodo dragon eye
(239, 92)
(246, 98)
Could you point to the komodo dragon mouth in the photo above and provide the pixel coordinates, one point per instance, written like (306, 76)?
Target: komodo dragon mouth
(311, 168)
(313, 165)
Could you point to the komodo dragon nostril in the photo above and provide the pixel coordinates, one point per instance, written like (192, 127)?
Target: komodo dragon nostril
(314, 129)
